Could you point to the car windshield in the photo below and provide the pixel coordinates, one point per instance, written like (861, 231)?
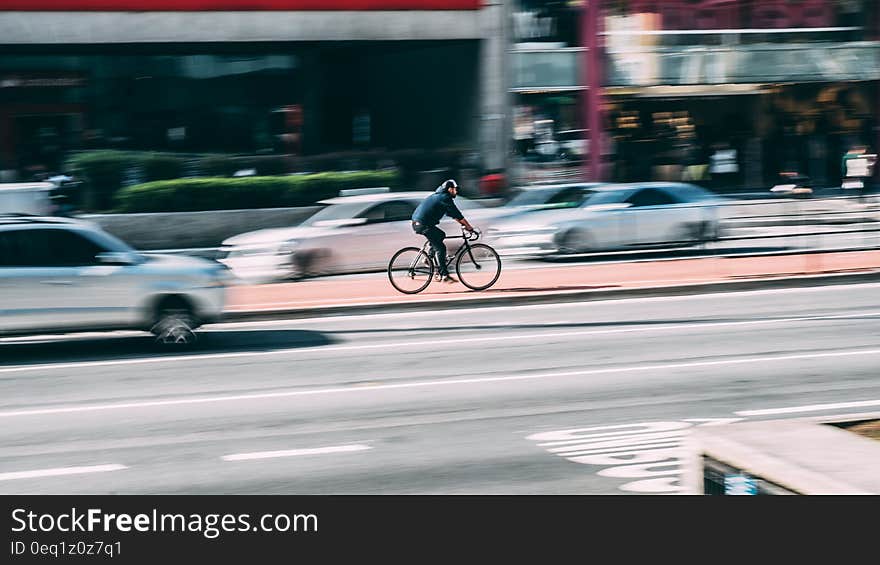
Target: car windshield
(110, 242)
(533, 197)
(336, 212)
(694, 193)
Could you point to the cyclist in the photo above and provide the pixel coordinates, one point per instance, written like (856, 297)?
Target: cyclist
(429, 213)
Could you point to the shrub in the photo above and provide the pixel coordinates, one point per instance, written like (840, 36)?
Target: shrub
(194, 194)
(161, 167)
(102, 173)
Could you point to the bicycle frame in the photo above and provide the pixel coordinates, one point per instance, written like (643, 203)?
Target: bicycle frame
(450, 258)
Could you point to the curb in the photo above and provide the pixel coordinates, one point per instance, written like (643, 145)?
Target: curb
(551, 297)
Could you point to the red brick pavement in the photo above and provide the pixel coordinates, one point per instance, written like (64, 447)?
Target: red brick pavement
(329, 291)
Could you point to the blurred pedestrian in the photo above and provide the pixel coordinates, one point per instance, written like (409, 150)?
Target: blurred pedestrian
(857, 168)
(723, 166)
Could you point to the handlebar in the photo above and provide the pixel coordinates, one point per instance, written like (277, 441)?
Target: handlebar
(471, 235)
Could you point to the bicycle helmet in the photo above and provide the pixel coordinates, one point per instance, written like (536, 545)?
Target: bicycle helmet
(449, 184)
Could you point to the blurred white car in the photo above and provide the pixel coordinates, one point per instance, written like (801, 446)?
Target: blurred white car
(615, 216)
(351, 234)
(65, 275)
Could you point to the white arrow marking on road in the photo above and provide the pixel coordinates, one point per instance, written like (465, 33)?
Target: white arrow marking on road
(60, 472)
(295, 452)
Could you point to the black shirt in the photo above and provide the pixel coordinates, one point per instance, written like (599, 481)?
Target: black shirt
(432, 209)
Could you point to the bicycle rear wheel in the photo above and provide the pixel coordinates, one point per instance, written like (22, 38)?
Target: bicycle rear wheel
(410, 270)
(480, 268)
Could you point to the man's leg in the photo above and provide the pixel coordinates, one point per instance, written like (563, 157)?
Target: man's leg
(435, 235)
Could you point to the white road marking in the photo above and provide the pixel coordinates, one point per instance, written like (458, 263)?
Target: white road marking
(808, 408)
(60, 471)
(649, 452)
(295, 452)
(525, 307)
(436, 383)
(433, 343)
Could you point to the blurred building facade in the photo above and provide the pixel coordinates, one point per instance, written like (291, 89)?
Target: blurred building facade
(726, 93)
(677, 89)
(251, 76)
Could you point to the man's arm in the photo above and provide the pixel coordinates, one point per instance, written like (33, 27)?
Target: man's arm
(453, 211)
(467, 225)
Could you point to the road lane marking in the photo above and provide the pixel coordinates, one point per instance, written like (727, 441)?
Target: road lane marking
(295, 452)
(334, 349)
(435, 383)
(808, 408)
(60, 471)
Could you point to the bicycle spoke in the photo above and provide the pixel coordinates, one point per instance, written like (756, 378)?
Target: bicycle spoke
(410, 270)
(479, 267)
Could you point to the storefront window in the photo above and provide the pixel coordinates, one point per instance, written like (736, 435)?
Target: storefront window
(190, 103)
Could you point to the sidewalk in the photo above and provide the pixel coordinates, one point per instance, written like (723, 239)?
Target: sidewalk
(375, 293)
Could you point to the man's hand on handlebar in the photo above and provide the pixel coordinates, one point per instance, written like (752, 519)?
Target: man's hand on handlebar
(467, 225)
(471, 233)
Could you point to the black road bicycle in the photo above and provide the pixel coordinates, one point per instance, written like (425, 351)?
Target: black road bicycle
(477, 265)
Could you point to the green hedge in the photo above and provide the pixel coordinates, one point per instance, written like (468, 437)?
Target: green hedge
(103, 172)
(161, 167)
(195, 194)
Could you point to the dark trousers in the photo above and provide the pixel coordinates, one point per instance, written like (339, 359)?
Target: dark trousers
(435, 236)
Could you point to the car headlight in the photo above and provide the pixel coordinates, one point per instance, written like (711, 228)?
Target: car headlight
(253, 250)
(288, 247)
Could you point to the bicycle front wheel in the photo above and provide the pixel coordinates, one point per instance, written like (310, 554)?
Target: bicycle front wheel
(479, 268)
(410, 270)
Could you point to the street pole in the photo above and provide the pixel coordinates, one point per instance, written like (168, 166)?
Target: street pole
(592, 105)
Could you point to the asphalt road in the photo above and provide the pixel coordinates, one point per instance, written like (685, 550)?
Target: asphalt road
(478, 401)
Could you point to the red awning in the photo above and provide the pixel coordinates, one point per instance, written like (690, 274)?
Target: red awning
(232, 5)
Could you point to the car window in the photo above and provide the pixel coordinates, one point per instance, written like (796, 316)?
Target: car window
(335, 212)
(389, 212)
(373, 213)
(691, 193)
(398, 211)
(47, 248)
(651, 197)
(569, 197)
(605, 197)
(531, 197)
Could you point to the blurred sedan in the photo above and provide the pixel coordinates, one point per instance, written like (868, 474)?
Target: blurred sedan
(351, 234)
(615, 216)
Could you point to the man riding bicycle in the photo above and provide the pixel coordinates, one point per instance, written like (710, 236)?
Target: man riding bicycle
(428, 215)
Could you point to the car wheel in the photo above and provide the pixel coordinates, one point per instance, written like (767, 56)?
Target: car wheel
(309, 264)
(574, 241)
(175, 324)
(713, 231)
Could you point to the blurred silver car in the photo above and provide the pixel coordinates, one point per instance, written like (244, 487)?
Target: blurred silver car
(615, 216)
(350, 234)
(65, 275)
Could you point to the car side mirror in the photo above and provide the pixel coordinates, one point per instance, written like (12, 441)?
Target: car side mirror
(117, 258)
